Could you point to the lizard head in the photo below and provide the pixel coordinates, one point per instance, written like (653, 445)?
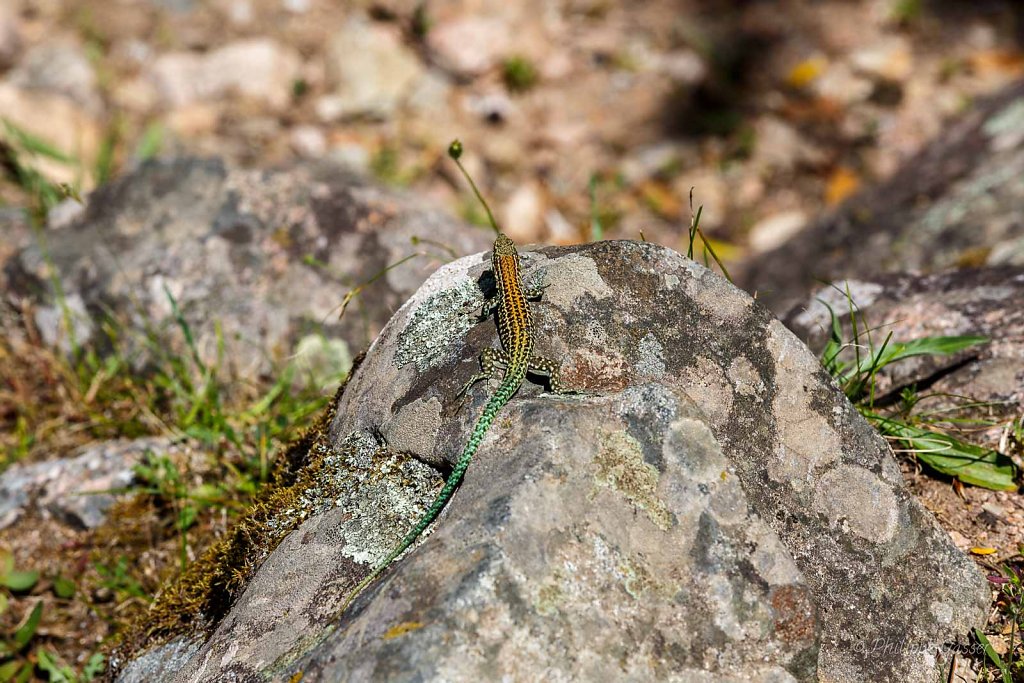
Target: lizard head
(503, 246)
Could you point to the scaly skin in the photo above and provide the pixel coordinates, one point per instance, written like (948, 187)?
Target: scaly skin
(515, 330)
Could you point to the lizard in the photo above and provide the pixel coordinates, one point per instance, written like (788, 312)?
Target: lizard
(516, 334)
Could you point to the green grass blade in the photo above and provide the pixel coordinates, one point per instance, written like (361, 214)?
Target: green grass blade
(993, 655)
(151, 142)
(834, 345)
(279, 388)
(596, 229)
(34, 145)
(948, 455)
(708, 249)
(8, 669)
(854, 310)
(24, 634)
(185, 330)
(44, 194)
(929, 346)
(868, 378)
(105, 159)
(693, 232)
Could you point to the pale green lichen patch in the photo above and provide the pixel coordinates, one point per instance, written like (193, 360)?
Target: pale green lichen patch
(437, 325)
(650, 361)
(633, 577)
(621, 468)
(388, 498)
(334, 474)
(591, 566)
(549, 597)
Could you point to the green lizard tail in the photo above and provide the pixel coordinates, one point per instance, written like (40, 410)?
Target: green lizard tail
(509, 385)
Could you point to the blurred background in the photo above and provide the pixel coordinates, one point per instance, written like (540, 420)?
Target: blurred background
(570, 111)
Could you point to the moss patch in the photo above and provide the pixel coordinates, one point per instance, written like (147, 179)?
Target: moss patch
(302, 482)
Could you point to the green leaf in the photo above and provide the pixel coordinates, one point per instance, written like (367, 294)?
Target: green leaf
(939, 346)
(49, 663)
(25, 675)
(993, 655)
(152, 140)
(206, 493)
(34, 145)
(830, 354)
(925, 346)
(8, 669)
(64, 588)
(187, 517)
(24, 634)
(20, 581)
(946, 454)
(96, 665)
(3, 607)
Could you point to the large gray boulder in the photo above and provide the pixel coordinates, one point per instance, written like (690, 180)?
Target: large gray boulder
(267, 254)
(957, 203)
(711, 508)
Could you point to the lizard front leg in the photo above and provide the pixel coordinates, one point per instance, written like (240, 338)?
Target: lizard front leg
(490, 360)
(486, 309)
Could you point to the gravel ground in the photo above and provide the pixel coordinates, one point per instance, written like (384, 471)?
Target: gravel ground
(771, 111)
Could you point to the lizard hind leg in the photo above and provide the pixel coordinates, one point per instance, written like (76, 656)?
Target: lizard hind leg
(490, 360)
(550, 369)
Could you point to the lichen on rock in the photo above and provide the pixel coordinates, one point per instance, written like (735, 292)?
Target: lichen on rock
(678, 519)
